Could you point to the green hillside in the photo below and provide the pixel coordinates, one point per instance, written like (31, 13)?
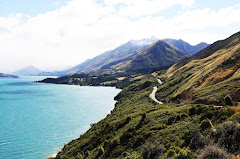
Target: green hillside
(206, 77)
(199, 118)
(139, 125)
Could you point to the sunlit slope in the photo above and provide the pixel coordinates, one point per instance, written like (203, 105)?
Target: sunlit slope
(206, 77)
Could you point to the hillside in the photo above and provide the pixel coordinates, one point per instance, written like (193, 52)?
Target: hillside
(157, 55)
(7, 76)
(186, 47)
(138, 127)
(28, 71)
(206, 77)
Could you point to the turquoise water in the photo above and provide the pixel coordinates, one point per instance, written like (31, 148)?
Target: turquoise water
(36, 120)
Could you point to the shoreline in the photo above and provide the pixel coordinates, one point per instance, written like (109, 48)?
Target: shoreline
(54, 154)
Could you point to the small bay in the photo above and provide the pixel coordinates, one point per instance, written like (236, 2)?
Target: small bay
(37, 119)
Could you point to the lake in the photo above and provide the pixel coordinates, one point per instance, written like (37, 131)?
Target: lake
(37, 119)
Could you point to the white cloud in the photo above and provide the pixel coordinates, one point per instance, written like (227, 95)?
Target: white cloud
(83, 29)
(12, 21)
(138, 8)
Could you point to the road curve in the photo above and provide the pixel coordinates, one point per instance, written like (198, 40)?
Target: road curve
(153, 94)
(153, 97)
(159, 81)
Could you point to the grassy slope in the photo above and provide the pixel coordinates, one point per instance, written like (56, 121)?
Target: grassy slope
(207, 77)
(126, 130)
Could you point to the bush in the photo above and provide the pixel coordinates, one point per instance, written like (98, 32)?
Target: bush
(125, 137)
(184, 154)
(228, 100)
(213, 152)
(236, 118)
(192, 111)
(133, 155)
(79, 156)
(205, 124)
(123, 123)
(170, 153)
(88, 153)
(152, 151)
(227, 136)
(100, 151)
(114, 143)
(170, 120)
(193, 139)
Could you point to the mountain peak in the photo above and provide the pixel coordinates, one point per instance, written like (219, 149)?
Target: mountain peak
(29, 70)
(146, 41)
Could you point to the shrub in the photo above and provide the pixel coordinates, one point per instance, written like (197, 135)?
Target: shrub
(125, 137)
(227, 136)
(88, 153)
(236, 118)
(205, 124)
(114, 143)
(139, 141)
(170, 153)
(170, 120)
(79, 156)
(152, 151)
(106, 144)
(213, 152)
(100, 151)
(193, 139)
(133, 155)
(192, 111)
(184, 154)
(143, 116)
(228, 100)
(123, 123)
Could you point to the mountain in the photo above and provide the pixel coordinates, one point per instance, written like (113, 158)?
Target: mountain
(121, 52)
(186, 47)
(157, 55)
(7, 76)
(122, 73)
(27, 71)
(207, 77)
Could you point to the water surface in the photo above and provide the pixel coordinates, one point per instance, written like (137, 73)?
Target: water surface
(36, 120)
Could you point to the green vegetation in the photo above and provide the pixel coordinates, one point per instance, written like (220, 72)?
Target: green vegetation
(140, 128)
(188, 125)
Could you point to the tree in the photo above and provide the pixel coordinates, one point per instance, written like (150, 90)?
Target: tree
(228, 100)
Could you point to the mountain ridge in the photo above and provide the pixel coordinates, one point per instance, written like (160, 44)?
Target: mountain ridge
(29, 70)
(109, 58)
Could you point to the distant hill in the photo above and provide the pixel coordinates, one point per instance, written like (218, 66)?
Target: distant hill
(28, 71)
(7, 76)
(157, 55)
(208, 76)
(186, 47)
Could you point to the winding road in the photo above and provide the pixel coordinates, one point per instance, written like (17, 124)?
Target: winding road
(153, 94)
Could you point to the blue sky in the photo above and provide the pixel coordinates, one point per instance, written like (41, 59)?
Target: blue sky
(53, 34)
(30, 7)
(35, 7)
